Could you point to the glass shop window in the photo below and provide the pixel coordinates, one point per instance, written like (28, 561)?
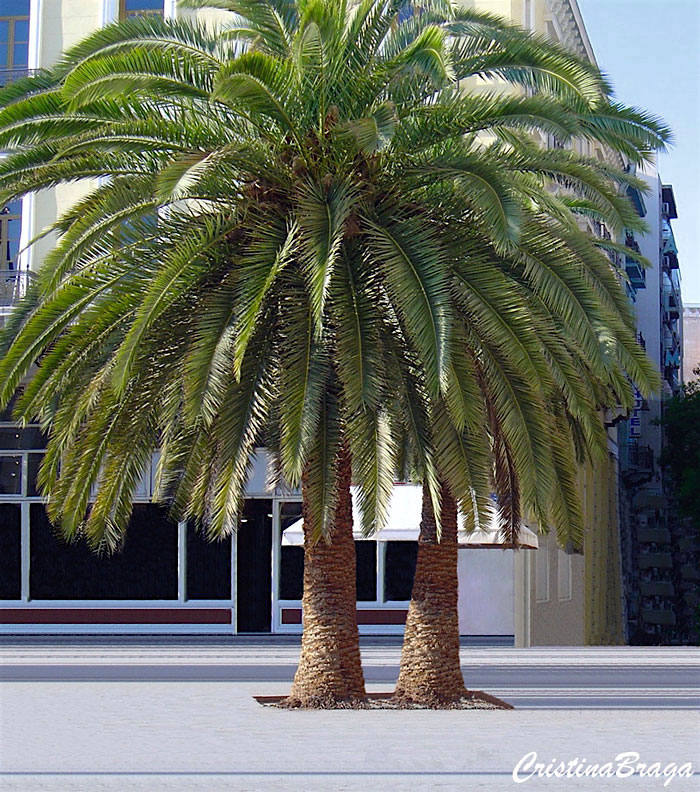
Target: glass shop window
(399, 570)
(10, 551)
(13, 438)
(146, 567)
(366, 570)
(10, 475)
(33, 464)
(208, 566)
(131, 8)
(291, 581)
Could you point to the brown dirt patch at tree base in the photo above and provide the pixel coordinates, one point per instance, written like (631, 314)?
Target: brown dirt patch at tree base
(474, 700)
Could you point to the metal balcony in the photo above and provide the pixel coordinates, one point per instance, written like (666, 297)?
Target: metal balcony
(658, 535)
(13, 286)
(8, 76)
(655, 560)
(636, 273)
(657, 588)
(670, 261)
(690, 572)
(661, 616)
(638, 458)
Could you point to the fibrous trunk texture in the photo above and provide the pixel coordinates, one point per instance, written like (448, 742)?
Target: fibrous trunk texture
(430, 674)
(330, 671)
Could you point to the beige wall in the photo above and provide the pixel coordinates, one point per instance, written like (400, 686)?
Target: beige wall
(556, 595)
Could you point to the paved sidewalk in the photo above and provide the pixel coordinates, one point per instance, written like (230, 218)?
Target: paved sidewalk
(537, 677)
(112, 734)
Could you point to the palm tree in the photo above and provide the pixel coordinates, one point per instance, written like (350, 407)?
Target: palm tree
(301, 234)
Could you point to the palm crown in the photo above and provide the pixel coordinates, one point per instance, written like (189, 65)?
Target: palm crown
(326, 224)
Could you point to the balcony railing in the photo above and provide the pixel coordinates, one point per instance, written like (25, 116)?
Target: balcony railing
(13, 286)
(8, 76)
(657, 588)
(658, 560)
(656, 535)
(636, 273)
(670, 261)
(661, 616)
(637, 457)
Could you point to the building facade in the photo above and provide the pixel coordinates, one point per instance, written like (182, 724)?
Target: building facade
(661, 565)
(572, 598)
(167, 578)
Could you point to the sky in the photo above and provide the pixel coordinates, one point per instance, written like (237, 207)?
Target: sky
(650, 51)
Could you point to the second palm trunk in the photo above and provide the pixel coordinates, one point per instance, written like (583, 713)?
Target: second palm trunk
(430, 672)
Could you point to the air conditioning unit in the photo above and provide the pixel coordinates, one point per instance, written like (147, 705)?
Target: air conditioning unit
(643, 521)
(665, 208)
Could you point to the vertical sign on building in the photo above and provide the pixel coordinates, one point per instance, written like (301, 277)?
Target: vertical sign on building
(636, 419)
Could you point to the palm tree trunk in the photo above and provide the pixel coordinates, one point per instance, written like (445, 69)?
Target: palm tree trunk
(430, 674)
(330, 671)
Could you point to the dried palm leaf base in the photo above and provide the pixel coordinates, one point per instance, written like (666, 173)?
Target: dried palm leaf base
(475, 699)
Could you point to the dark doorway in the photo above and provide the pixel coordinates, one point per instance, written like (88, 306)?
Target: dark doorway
(254, 568)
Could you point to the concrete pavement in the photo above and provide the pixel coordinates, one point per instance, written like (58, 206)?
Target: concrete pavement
(170, 732)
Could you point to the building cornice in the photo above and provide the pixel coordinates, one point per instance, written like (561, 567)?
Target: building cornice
(569, 21)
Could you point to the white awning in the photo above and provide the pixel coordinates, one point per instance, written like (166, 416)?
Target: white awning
(403, 524)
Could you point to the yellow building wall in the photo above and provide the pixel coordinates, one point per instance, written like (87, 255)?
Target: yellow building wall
(603, 612)
(594, 612)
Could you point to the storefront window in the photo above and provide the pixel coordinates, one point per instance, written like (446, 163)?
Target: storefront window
(10, 553)
(291, 577)
(146, 567)
(291, 585)
(12, 437)
(208, 566)
(10, 475)
(366, 570)
(33, 464)
(399, 570)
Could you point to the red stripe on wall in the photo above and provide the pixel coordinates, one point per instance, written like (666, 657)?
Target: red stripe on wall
(376, 616)
(291, 615)
(115, 616)
(381, 616)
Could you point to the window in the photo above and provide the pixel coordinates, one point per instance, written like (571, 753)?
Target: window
(564, 575)
(10, 475)
(146, 568)
(13, 437)
(399, 570)
(14, 39)
(33, 464)
(10, 553)
(366, 570)
(291, 584)
(208, 566)
(542, 573)
(131, 8)
(291, 577)
(10, 228)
